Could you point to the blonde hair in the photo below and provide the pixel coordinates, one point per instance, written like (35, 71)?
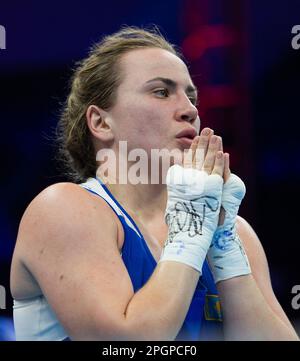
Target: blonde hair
(95, 81)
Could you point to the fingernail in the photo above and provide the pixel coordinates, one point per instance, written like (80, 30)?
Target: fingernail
(214, 139)
(206, 131)
(219, 155)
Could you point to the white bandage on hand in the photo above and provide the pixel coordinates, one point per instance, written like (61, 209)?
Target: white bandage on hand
(226, 255)
(194, 201)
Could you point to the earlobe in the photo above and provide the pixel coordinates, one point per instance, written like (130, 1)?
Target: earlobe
(98, 123)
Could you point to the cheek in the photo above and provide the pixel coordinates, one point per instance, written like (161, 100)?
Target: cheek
(147, 122)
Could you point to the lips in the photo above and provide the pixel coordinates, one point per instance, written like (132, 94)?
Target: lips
(188, 133)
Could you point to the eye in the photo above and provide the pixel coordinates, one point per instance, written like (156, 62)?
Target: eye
(194, 100)
(162, 93)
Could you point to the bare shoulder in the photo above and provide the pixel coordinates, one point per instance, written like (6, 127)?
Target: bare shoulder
(63, 216)
(68, 240)
(259, 265)
(65, 208)
(252, 244)
(62, 197)
(255, 252)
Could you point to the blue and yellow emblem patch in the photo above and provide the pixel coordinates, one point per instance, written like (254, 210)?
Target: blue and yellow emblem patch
(212, 308)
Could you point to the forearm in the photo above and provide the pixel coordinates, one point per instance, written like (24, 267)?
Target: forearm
(247, 315)
(157, 311)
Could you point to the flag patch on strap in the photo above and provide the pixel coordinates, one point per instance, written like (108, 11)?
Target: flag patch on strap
(212, 308)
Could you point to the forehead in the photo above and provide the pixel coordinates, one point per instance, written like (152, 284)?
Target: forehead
(138, 66)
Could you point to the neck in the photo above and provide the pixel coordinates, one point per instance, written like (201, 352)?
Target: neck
(146, 201)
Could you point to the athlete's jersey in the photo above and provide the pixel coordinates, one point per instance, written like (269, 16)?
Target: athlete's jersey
(34, 319)
(204, 319)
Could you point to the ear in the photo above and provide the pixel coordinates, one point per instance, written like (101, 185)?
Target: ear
(99, 124)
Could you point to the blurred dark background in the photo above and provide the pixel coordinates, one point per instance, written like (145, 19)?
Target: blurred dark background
(241, 58)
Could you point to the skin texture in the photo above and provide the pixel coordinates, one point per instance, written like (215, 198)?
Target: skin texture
(69, 240)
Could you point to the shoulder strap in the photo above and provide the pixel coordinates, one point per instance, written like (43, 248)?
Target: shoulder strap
(94, 186)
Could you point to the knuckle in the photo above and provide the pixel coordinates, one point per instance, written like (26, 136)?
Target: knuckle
(207, 168)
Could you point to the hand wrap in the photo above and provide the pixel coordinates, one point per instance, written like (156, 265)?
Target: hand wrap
(226, 255)
(194, 200)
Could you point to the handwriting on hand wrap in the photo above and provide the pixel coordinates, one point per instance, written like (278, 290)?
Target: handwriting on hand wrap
(226, 241)
(184, 217)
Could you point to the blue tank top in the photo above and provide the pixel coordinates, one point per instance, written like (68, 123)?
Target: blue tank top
(204, 318)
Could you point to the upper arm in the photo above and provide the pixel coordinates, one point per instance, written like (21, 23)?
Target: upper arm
(69, 241)
(259, 266)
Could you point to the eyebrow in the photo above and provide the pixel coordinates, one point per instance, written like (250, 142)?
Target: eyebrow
(172, 84)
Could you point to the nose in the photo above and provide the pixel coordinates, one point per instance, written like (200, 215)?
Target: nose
(186, 111)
